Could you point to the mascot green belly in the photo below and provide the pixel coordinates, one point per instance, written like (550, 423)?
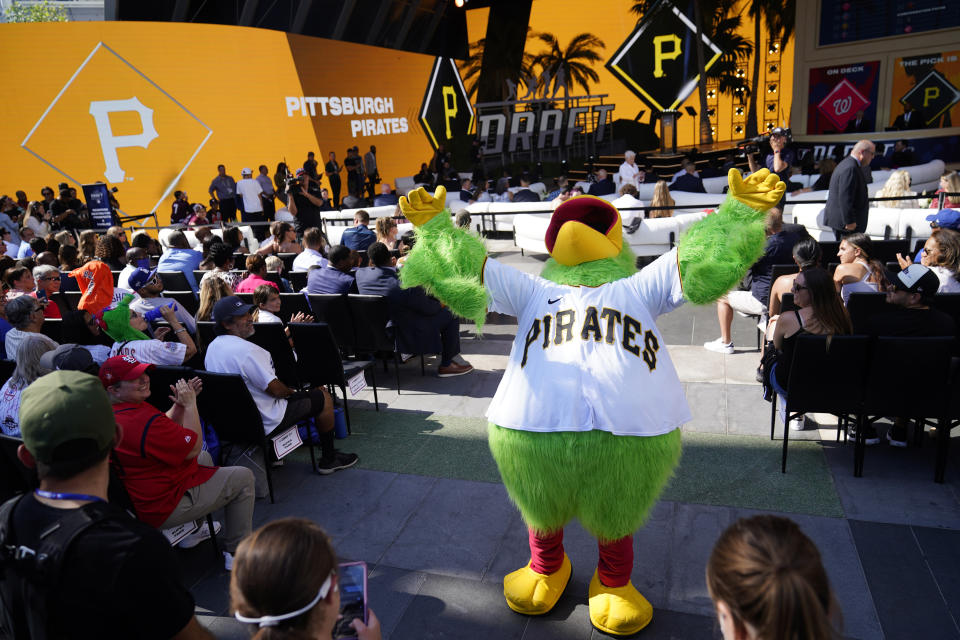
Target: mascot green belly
(585, 423)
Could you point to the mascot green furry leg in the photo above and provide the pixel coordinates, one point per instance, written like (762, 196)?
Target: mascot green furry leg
(585, 449)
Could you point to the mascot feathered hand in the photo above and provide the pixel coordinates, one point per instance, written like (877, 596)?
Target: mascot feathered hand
(586, 421)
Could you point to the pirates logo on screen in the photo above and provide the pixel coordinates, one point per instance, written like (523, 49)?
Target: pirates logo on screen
(658, 61)
(446, 112)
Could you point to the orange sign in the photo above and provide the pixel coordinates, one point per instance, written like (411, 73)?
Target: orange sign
(155, 107)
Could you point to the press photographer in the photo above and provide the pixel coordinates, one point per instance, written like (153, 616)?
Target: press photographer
(302, 204)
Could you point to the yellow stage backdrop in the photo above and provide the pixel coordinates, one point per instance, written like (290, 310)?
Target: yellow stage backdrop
(155, 107)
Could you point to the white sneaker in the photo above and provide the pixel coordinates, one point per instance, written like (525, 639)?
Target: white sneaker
(198, 536)
(797, 424)
(404, 357)
(228, 561)
(719, 346)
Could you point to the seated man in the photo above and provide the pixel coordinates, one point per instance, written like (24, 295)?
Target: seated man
(359, 236)
(170, 479)
(310, 256)
(466, 191)
(137, 258)
(149, 286)
(127, 327)
(603, 186)
(337, 276)
(779, 250)
(280, 406)
(424, 325)
(525, 194)
(386, 198)
(689, 180)
(180, 257)
(68, 432)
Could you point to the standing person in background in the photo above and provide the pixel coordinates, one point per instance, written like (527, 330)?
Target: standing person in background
(280, 181)
(303, 205)
(371, 172)
(223, 189)
(847, 205)
(332, 169)
(629, 171)
(354, 166)
(268, 193)
(310, 166)
(249, 192)
(180, 210)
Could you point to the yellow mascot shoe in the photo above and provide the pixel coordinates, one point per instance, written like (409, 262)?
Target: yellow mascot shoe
(620, 611)
(532, 593)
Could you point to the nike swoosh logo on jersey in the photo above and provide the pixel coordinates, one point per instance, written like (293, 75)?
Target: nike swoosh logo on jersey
(555, 300)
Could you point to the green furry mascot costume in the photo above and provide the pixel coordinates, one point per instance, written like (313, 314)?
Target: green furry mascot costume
(585, 423)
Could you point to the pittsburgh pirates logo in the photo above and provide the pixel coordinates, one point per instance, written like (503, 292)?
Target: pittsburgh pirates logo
(446, 112)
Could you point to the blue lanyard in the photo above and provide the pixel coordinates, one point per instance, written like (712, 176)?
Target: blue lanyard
(50, 495)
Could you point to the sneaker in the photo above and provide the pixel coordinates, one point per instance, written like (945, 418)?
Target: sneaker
(198, 536)
(228, 561)
(454, 369)
(797, 424)
(339, 461)
(719, 346)
(759, 376)
(897, 436)
(871, 436)
(404, 357)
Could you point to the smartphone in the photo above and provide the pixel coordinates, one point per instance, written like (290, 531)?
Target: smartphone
(353, 598)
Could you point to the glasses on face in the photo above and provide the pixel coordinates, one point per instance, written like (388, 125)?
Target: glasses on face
(49, 278)
(799, 287)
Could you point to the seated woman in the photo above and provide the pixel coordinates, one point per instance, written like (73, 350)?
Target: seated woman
(819, 312)
(28, 369)
(806, 255)
(285, 599)
(234, 238)
(26, 315)
(857, 272)
(79, 327)
(897, 186)
(661, 198)
(256, 270)
(211, 290)
(110, 250)
(283, 240)
(941, 253)
(387, 232)
(767, 582)
(949, 183)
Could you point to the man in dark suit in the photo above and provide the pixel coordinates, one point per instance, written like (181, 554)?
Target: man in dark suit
(688, 180)
(422, 323)
(858, 124)
(603, 186)
(337, 276)
(359, 236)
(902, 155)
(847, 205)
(911, 118)
(525, 194)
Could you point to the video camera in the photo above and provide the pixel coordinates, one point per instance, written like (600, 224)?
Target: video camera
(753, 144)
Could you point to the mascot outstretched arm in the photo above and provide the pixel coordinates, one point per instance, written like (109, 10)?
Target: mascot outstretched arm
(586, 421)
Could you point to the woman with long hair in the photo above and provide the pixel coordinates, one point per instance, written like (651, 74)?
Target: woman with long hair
(857, 271)
(69, 258)
(898, 186)
(941, 253)
(27, 370)
(819, 312)
(110, 251)
(82, 328)
(387, 232)
(661, 198)
(234, 237)
(37, 219)
(211, 290)
(283, 239)
(806, 255)
(280, 181)
(284, 581)
(88, 246)
(949, 183)
(767, 582)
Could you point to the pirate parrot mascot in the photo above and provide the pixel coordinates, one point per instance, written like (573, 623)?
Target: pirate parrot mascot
(586, 421)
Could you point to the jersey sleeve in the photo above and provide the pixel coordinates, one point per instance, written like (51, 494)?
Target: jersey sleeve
(508, 289)
(658, 284)
(159, 352)
(166, 440)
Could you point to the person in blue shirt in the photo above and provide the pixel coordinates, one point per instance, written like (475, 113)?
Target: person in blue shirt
(386, 198)
(689, 180)
(337, 276)
(359, 236)
(180, 257)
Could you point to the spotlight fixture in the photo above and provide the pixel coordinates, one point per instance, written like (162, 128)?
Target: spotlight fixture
(459, 3)
(739, 111)
(771, 88)
(738, 129)
(773, 69)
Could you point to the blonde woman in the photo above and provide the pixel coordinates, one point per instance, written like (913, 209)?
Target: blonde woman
(387, 232)
(211, 290)
(37, 219)
(949, 183)
(661, 198)
(898, 185)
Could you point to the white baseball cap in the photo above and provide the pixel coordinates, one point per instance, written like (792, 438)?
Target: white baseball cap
(246, 171)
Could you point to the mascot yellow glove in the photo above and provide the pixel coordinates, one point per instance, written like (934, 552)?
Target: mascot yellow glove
(420, 207)
(761, 190)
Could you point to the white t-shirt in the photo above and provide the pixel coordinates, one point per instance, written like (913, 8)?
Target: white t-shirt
(250, 190)
(10, 395)
(948, 280)
(230, 354)
(267, 317)
(151, 351)
(308, 258)
(100, 353)
(123, 280)
(629, 173)
(588, 357)
(143, 305)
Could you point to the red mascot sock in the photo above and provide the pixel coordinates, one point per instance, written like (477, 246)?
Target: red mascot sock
(546, 551)
(616, 562)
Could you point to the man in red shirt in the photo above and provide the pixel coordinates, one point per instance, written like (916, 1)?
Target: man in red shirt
(159, 458)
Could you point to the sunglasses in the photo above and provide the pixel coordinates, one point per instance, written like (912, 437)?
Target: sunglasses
(799, 287)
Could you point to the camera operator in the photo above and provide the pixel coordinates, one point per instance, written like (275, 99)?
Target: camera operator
(780, 158)
(302, 204)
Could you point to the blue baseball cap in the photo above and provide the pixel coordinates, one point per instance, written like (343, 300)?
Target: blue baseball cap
(945, 219)
(140, 278)
(229, 307)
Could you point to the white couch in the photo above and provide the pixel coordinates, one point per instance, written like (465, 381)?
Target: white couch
(902, 223)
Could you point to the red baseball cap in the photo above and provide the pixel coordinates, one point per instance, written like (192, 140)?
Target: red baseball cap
(121, 368)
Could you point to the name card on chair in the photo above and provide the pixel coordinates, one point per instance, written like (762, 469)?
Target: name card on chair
(175, 534)
(287, 442)
(357, 383)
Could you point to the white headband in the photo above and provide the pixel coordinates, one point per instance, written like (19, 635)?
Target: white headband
(272, 621)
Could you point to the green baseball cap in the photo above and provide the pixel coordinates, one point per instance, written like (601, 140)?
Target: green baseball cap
(62, 407)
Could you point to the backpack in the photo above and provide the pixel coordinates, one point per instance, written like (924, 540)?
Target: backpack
(27, 574)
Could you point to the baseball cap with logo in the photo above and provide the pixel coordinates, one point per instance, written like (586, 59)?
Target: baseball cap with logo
(66, 407)
(299, 172)
(141, 277)
(229, 307)
(67, 357)
(122, 368)
(915, 279)
(246, 171)
(945, 219)
(778, 131)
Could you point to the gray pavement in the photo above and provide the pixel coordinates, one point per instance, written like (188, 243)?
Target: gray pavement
(438, 546)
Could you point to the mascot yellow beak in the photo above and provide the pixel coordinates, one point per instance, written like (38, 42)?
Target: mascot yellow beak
(582, 229)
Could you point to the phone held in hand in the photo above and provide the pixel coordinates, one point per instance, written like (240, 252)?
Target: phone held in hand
(352, 581)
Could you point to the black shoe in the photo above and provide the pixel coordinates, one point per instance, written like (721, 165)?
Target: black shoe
(326, 466)
(870, 434)
(759, 376)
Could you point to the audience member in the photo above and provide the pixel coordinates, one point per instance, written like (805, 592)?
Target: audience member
(68, 432)
(603, 186)
(688, 180)
(48, 258)
(180, 257)
(423, 324)
(780, 158)
(20, 280)
(629, 172)
(819, 312)
(897, 186)
(170, 478)
(827, 167)
(949, 183)
(25, 314)
(560, 185)
(69, 357)
(211, 291)
(387, 197)
(69, 258)
(127, 328)
(314, 246)
(275, 266)
(283, 239)
(25, 250)
(222, 256)
(149, 287)
(778, 250)
(48, 284)
(847, 205)
(28, 369)
(280, 406)
(81, 328)
(136, 259)
(902, 155)
(767, 582)
(117, 232)
(387, 232)
(37, 219)
(267, 303)
(423, 177)
(233, 237)
(256, 270)
(525, 194)
(5, 325)
(661, 198)
(806, 255)
(88, 245)
(857, 271)
(359, 236)
(291, 599)
(199, 217)
(337, 276)
(462, 220)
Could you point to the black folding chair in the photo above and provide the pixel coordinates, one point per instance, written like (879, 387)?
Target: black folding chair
(952, 420)
(116, 277)
(288, 259)
(828, 250)
(197, 275)
(63, 302)
(298, 279)
(68, 283)
(53, 329)
(826, 376)
(6, 369)
(14, 477)
(371, 314)
(949, 303)
(778, 270)
(321, 362)
(293, 303)
(275, 279)
(862, 306)
(333, 309)
(161, 378)
(270, 336)
(887, 250)
(186, 299)
(174, 281)
(73, 299)
(205, 334)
